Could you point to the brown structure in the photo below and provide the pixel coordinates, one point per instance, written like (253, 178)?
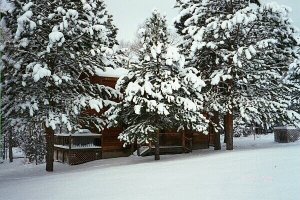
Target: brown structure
(80, 148)
(111, 146)
(286, 134)
(77, 148)
(182, 142)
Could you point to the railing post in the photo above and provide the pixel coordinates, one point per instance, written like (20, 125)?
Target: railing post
(157, 156)
(183, 142)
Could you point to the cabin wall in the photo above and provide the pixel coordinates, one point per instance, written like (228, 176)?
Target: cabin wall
(200, 141)
(107, 81)
(170, 139)
(112, 147)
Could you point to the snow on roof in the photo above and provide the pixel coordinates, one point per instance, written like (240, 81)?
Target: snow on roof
(78, 135)
(286, 127)
(111, 72)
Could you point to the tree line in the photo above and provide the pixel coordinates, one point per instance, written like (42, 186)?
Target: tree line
(236, 61)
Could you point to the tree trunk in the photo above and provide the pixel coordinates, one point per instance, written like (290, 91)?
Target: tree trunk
(157, 157)
(229, 131)
(217, 142)
(138, 146)
(225, 129)
(10, 147)
(49, 149)
(4, 147)
(133, 146)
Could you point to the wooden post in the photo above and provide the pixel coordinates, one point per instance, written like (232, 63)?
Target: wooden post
(191, 142)
(132, 147)
(150, 146)
(102, 145)
(49, 148)
(229, 131)
(183, 141)
(157, 156)
(217, 142)
(56, 154)
(70, 147)
(70, 143)
(225, 129)
(254, 131)
(138, 146)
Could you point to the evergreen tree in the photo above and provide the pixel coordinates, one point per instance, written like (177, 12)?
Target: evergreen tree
(159, 94)
(5, 7)
(243, 50)
(57, 45)
(293, 79)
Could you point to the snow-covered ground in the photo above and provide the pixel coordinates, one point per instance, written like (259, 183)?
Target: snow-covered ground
(255, 170)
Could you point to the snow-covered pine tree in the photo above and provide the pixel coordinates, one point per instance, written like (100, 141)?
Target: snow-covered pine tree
(243, 51)
(57, 45)
(5, 7)
(158, 93)
(293, 79)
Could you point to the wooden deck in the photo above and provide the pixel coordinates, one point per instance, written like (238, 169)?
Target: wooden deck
(164, 150)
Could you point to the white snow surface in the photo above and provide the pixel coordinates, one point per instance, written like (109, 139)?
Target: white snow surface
(111, 72)
(40, 72)
(18, 152)
(6, 6)
(260, 170)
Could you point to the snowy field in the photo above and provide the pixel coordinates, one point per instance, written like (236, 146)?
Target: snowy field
(255, 170)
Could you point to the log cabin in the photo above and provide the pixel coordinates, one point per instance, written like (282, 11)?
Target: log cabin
(89, 145)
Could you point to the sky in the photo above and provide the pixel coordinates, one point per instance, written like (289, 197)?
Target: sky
(128, 14)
